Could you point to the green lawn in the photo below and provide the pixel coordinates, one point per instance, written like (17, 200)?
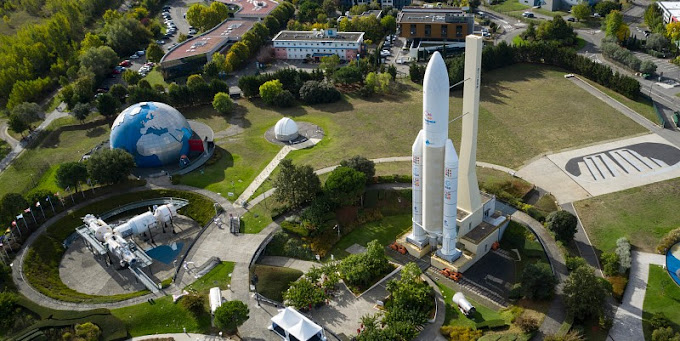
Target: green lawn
(67, 140)
(663, 296)
(156, 77)
(517, 236)
(258, 216)
(273, 281)
(508, 6)
(219, 276)
(455, 318)
(642, 105)
(207, 115)
(385, 231)
(638, 214)
(161, 317)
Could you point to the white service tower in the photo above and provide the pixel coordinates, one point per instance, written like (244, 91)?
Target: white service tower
(436, 190)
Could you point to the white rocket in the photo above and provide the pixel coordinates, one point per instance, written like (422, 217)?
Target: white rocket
(435, 166)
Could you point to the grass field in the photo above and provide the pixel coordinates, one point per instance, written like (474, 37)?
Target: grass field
(509, 6)
(663, 296)
(258, 217)
(67, 140)
(510, 131)
(455, 318)
(207, 115)
(636, 213)
(156, 77)
(642, 105)
(17, 19)
(162, 317)
(385, 231)
(273, 281)
(219, 276)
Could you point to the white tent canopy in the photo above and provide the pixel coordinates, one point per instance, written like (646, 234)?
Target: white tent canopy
(296, 326)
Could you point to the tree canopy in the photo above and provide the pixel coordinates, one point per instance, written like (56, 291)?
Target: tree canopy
(296, 185)
(110, 166)
(231, 314)
(345, 185)
(584, 295)
(361, 164)
(563, 224)
(71, 174)
(538, 281)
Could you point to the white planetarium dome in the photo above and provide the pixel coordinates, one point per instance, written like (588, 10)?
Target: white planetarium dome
(286, 130)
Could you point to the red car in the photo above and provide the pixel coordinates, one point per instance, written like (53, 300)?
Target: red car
(125, 63)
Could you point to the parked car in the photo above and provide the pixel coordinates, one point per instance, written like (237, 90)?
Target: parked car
(528, 15)
(125, 63)
(134, 56)
(385, 53)
(102, 90)
(571, 19)
(118, 69)
(141, 53)
(166, 8)
(160, 42)
(193, 31)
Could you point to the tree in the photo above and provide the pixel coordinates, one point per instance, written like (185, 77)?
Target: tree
(604, 7)
(329, 64)
(126, 35)
(110, 166)
(11, 205)
(361, 164)
(345, 185)
(71, 174)
(330, 7)
(26, 112)
(654, 18)
(313, 92)
(107, 105)
(80, 111)
(194, 304)
(296, 185)
(98, 60)
(119, 91)
(90, 40)
(230, 315)
(647, 66)
(8, 303)
(17, 124)
(657, 42)
(349, 74)
(362, 268)
(206, 17)
(131, 77)
(581, 11)
(584, 295)
(154, 52)
(538, 282)
(615, 27)
(610, 263)
(303, 294)
(411, 296)
(269, 91)
(665, 334)
(389, 24)
(563, 225)
(223, 103)
(623, 252)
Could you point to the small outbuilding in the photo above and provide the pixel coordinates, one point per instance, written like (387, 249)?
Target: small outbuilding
(286, 130)
(291, 325)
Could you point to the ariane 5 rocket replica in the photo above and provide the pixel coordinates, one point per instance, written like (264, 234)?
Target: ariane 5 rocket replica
(435, 164)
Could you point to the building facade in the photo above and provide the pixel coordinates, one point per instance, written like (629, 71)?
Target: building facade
(318, 43)
(670, 11)
(439, 24)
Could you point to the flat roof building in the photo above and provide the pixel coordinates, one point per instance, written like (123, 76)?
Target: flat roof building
(192, 54)
(670, 10)
(439, 24)
(318, 43)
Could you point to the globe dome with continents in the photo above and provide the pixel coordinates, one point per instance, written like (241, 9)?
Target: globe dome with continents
(156, 134)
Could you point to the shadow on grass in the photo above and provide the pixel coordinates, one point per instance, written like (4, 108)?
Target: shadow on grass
(238, 117)
(337, 107)
(98, 131)
(296, 110)
(53, 138)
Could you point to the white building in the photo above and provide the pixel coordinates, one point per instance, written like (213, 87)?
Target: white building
(318, 43)
(670, 10)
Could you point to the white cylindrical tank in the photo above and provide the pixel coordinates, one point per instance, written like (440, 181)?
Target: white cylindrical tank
(165, 213)
(463, 304)
(286, 130)
(436, 132)
(449, 233)
(215, 299)
(98, 226)
(417, 233)
(137, 225)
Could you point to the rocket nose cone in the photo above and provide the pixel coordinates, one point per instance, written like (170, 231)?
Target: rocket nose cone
(436, 80)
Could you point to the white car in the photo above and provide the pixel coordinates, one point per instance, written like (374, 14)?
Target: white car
(134, 56)
(569, 75)
(385, 53)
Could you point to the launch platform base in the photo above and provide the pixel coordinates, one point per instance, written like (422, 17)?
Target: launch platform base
(413, 250)
(461, 264)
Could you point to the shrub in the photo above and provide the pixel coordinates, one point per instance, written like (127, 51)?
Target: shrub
(88, 332)
(527, 324)
(515, 292)
(623, 252)
(461, 333)
(195, 304)
(223, 103)
(659, 320)
(313, 92)
(574, 263)
(610, 263)
(665, 334)
(270, 90)
(230, 315)
(668, 240)
(285, 99)
(563, 224)
(618, 286)
(538, 281)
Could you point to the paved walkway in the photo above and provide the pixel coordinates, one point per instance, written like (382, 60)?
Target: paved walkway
(628, 320)
(264, 175)
(582, 241)
(184, 337)
(287, 262)
(5, 136)
(19, 147)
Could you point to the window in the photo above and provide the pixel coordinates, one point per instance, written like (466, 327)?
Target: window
(428, 30)
(445, 30)
(459, 30)
(413, 29)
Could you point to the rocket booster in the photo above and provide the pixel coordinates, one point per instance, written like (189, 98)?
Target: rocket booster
(435, 165)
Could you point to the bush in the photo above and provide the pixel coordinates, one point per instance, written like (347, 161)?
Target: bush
(88, 332)
(527, 324)
(223, 103)
(670, 239)
(610, 263)
(623, 252)
(461, 333)
(574, 263)
(659, 320)
(270, 90)
(563, 225)
(618, 284)
(285, 99)
(313, 92)
(538, 281)
(195, 304)
(665, 334)
(516, 292)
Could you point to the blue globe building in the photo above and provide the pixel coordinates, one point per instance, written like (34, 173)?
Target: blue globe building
(156, 134)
